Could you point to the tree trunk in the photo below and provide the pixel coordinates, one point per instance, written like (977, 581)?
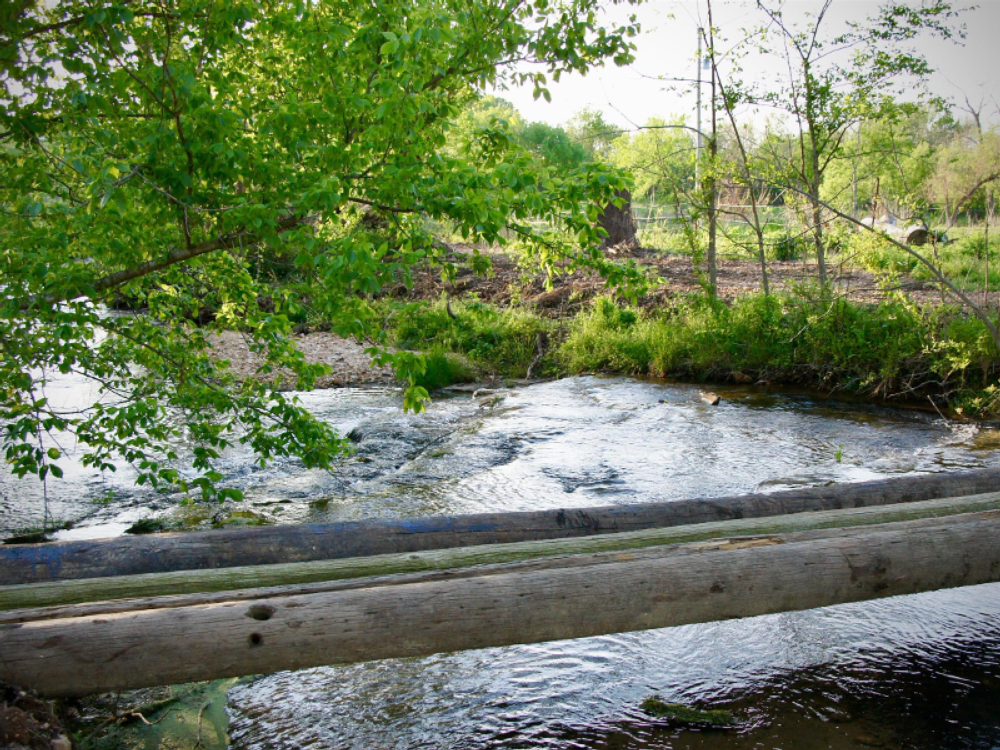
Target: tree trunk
(817, 218)
(712, 199)
(619, 224)
(527, 602)
(104, 595)
(761, 255)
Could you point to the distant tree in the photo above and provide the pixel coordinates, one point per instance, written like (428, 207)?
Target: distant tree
(965, 171)
(661, 158)
(834, 80)
(554, 145)
(885, 164)
(589, 128)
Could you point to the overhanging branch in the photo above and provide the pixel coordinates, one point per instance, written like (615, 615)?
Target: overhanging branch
(172, 257)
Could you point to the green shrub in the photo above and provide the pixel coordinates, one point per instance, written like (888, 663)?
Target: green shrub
(443, 369)
(503, 342)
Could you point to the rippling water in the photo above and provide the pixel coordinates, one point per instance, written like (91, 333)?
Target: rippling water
(569, 443)
(911, 672)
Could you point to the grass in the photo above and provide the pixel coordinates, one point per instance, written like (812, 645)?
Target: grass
(494, 342)
(892, 350)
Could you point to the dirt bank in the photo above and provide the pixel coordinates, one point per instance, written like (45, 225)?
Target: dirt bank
(561, 296)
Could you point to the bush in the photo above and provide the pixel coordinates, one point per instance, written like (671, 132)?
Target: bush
(787, 247)
(502, 342)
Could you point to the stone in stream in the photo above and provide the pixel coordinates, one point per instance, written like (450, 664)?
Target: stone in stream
(712, 399)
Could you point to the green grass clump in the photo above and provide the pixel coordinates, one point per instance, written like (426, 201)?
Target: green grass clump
(894, 348)
(609, 338)
(678, 713)
(443, 369)
(500, 342)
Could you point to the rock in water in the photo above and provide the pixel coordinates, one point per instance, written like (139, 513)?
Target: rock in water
(712, 399)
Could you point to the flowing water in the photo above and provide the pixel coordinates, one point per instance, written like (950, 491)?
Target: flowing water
(909, 672)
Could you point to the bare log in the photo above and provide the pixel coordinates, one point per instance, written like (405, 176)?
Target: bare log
(583, 596)
(166, 587)
(300, 543)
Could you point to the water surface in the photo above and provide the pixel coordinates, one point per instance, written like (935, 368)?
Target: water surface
(909, 672)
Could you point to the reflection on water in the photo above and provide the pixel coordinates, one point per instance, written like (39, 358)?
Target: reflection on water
(912, 672)
(918, 672)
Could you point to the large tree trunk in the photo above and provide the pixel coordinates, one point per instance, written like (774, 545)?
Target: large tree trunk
(520, 601)
(619, 224)
(157, 590)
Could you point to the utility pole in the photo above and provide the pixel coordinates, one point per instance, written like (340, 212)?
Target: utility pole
(697, 152)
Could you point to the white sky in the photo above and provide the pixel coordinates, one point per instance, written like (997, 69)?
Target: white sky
(667, 47)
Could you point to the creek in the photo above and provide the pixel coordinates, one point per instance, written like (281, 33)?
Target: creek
(915, 672)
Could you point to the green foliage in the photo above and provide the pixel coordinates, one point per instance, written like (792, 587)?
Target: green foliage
(554, 145)
(609, 337)
(661, 157)
(890, 159)
(589, 128)
(890, 349)
(442, 369)
(787, 247)
(180, 153)
(501, 342)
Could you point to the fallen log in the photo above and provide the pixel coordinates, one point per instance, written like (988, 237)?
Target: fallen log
(305, 542)
(26, 602)
(568, 597)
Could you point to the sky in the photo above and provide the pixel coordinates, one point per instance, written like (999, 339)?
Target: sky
(667, 46)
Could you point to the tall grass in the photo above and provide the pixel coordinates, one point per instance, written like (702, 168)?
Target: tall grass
(893, 349)
(497, 342)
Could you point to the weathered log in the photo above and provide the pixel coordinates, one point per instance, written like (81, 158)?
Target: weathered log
(299, 543)
(573, 597)
(24, 602)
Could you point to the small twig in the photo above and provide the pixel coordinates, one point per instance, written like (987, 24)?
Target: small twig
(146, 721)
(931, 399)
(540, 346)
(201, 712)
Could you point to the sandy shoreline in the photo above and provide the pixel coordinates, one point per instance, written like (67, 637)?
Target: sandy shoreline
(346, 358)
